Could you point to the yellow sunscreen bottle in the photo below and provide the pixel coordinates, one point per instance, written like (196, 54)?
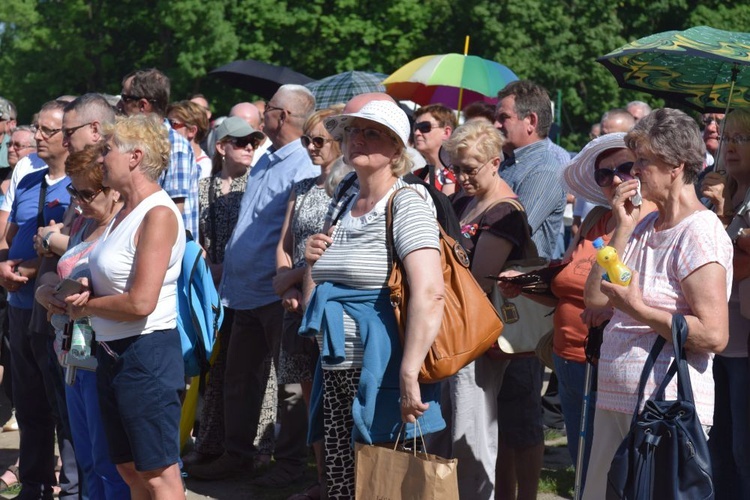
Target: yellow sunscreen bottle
(616, 271)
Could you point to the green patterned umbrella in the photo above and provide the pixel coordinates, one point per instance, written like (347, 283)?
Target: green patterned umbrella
(703, 68)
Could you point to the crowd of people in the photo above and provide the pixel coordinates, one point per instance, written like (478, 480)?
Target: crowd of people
(290, 204)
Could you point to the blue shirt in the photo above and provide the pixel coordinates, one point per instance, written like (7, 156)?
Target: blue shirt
(535, 178)
(180, 179)
(250, 255)
(24, 215)
(4, 151)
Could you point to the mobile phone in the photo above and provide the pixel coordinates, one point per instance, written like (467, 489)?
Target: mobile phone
(68, 287)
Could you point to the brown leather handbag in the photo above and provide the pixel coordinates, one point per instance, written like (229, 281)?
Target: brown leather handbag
(470, 323)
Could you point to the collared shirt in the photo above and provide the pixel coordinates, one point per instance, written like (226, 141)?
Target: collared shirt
(4, 151)
(250, 255)
(180, 179)
(534, 176)
(25, 213)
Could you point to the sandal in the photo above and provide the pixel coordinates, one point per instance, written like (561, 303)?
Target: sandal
(312, 492)
(4, 484)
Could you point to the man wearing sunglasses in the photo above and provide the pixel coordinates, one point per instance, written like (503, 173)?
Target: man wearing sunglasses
(41, 196)
(252, 115)
(434, 124)
(147, 91)
(7, 124)
(247, 288)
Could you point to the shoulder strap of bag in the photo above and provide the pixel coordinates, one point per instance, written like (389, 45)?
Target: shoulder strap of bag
(679, 364)
(389, 243)
(530, 252)
(42, 199)
(344, 187)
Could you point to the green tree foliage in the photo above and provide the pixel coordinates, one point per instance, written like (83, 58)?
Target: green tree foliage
(54, 47)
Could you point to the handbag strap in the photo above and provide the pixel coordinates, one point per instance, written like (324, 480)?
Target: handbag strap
(679, 365)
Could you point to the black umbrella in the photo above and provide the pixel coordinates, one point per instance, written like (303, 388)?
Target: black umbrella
(260, 78)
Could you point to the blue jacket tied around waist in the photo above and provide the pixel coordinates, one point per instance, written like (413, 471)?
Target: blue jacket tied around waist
(376, 409)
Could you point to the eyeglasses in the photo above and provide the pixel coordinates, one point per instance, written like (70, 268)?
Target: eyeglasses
(18, 145)
(370, 134)
(605, 176)
(176, 125)
(47, 133)
(425, 127)
(242, 142)
(82, 196)
(270, 108)
(708, 120)
(737, 139)
(469, 172)
(68, 132)
(318, 141)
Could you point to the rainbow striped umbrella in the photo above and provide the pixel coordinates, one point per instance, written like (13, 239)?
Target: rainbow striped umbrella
(440, 78)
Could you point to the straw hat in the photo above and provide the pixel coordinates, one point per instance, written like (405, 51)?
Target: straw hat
(578, 175)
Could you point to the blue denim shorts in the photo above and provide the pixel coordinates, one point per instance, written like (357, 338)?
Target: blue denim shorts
(140, 380)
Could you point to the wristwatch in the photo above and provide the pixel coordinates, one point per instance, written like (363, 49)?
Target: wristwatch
(45, 240)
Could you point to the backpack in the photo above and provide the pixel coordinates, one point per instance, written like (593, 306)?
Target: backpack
(445, 214)
(199, 310)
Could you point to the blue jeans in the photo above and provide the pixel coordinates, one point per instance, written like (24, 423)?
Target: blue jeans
(571, 377)
(92, 452)
(729, 439)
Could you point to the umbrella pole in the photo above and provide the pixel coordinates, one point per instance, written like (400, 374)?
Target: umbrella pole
(735, 72)
(461, 89)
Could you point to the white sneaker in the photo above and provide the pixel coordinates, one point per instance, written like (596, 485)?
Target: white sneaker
(11, 425)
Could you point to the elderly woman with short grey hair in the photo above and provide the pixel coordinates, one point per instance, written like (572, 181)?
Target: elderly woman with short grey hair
(681, 258)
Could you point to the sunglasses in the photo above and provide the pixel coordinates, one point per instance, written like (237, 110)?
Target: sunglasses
(605, 176)
(176, 125)
(18, 145)
(242, 142)
(318, 142)
(68, 132)
(84, 195)
(424, 127)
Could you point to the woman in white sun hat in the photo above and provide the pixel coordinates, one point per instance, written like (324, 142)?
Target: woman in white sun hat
(593, 175)
(369, 381)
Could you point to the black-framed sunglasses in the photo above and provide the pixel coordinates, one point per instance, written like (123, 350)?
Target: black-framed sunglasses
(242, 142)
(318, 141)
(84, 196)
(129, 97)
(424, 127)
(605, 176)
(68, 132)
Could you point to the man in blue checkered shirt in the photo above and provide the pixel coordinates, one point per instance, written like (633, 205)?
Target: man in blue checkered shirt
(147, 91)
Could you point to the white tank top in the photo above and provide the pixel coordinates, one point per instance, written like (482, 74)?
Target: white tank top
(112, 270)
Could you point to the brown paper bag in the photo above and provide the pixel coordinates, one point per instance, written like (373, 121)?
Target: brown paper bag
(388, 474)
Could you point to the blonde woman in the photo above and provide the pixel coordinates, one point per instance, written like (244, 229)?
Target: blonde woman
(134, 271)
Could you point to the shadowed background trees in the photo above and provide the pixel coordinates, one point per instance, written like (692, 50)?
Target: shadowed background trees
(54, 47)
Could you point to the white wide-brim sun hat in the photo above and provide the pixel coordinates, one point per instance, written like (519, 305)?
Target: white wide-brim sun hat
(385, 113)
(578, 175)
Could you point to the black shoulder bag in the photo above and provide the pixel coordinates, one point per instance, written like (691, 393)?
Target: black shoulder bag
(665, 454)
